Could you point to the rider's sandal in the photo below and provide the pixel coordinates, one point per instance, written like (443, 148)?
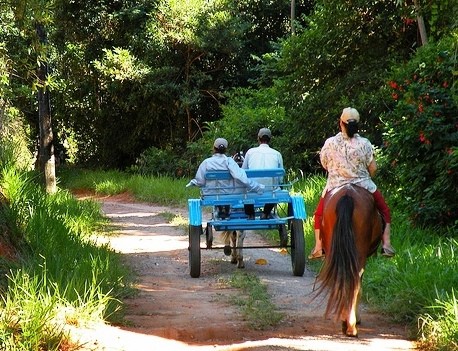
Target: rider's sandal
(388, 251)
(317, 254)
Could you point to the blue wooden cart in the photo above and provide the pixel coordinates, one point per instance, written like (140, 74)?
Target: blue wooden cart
(228, 214)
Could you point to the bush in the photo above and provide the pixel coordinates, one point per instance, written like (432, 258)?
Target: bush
(422, 133)
(157, 162)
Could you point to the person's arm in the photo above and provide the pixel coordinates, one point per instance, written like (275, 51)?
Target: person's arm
(324, 155)
(199, 179)
(372, 168)
(280, 165)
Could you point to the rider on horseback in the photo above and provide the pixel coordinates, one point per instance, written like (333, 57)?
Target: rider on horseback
(349, 158)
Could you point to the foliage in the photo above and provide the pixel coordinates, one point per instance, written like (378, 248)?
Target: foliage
(143, 187)
(140, 74)
(440, 330)
(119, 65)
(422, 133)
(53, 233)
(14, 150)
(338, 60)
(440, 16)
(14, 131)
(248, 110)
(157, 162)
(417, 284)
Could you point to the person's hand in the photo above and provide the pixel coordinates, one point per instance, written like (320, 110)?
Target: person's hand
(261, 189)
(191, 183)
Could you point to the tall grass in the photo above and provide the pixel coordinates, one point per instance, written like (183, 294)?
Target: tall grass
(162, 190)
(415, 287)
(62, 275)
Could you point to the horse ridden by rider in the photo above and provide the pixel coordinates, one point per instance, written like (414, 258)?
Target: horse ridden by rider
(351, 219)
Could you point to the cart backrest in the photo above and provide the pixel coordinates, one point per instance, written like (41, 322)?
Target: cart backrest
(219, 193)
(220, 182)
(251, 173)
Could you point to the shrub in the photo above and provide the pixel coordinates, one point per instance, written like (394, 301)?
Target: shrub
(156, 162)
(422, 133)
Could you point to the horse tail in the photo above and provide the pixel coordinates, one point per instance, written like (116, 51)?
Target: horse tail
(340, 273)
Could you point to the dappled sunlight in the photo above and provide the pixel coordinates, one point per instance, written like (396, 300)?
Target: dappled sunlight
(132, 214)
(323, 343)
(116, 339)
(137, 241)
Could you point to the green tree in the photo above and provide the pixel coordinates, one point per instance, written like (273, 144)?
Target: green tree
(422, 133)
(339, 59)
(31, 61)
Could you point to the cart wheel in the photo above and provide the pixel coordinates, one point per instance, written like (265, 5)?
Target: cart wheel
(283, 235)
(194, 250)
(297, 247)
(209, 236)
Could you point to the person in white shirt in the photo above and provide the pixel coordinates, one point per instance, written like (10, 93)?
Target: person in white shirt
(263, 157)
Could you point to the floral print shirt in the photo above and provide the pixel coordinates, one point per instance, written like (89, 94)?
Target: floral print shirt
(346, 160)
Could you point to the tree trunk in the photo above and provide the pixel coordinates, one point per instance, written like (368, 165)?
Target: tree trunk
(46, 161)
(293, 16)
(421, 24)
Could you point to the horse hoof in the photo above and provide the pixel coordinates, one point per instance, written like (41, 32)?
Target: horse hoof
(227, 250)
(344, 327)
(234, 261)
(241, 265)
(351, 335)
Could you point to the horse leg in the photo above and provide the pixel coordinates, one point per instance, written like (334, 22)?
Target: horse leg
(351, 321)
(233, 238)
(352, 318)
(227, 242)
(240, 238)
(360, 291)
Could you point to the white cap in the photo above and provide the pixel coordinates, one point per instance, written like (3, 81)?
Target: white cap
(349, 114)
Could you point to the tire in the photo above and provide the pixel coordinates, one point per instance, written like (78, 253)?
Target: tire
(194, 250)
(297, 247)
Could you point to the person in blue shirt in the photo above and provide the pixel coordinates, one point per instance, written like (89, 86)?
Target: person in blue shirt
(220, 162)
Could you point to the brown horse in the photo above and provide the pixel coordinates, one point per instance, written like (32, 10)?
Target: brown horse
(351, 231)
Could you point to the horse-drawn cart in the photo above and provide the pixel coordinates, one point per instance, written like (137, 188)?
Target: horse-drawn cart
(229, 215)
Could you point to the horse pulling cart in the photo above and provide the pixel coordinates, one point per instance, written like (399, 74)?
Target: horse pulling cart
(228, 215)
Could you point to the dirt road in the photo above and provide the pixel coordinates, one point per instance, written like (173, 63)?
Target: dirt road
(175, 312)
